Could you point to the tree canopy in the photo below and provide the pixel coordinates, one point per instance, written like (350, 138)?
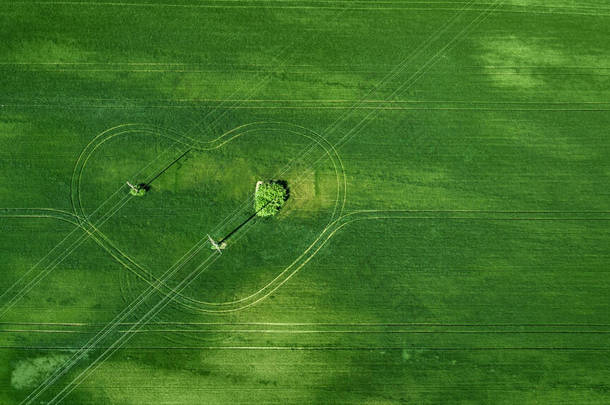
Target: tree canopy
(140, 190)
(269, 198)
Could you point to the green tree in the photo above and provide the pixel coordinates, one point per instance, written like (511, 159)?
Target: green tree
(269, 198)
(139, 190)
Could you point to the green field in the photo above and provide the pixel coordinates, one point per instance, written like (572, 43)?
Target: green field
(446, 238)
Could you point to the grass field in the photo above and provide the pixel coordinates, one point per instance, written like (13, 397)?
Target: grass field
(446, 239)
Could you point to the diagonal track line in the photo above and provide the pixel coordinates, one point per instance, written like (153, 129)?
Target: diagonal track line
(166, 299)
(235, 103)
(67, 236)
(388, 77)
(67, 251)
(109, 328)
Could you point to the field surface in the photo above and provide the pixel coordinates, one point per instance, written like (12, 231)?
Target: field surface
(446, 238)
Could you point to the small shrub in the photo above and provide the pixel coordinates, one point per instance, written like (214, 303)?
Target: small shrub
(140, 190)
(270, 197)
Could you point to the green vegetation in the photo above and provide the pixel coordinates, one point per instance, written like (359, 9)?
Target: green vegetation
(32, 371)
(139, 191)
(269, 198)
(446, 237)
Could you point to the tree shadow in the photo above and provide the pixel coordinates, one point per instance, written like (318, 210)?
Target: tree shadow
(284, 184)
(144, 186)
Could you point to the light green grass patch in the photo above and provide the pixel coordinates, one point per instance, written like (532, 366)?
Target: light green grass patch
(30, 372)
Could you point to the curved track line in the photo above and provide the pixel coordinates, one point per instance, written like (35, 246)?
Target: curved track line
(352, 217)
(222, 140)
(61, 215)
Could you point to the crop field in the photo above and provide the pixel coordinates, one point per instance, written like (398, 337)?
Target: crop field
(445, 235)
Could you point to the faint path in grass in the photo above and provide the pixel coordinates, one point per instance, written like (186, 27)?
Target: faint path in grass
(324, 237)
(383, 6)
(111, 327)
(374, 215)
(249, 129)
(52, 213)
(89, 225)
